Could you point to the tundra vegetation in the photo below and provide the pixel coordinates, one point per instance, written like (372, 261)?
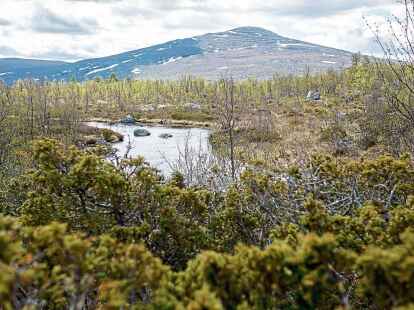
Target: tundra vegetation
(308, 204)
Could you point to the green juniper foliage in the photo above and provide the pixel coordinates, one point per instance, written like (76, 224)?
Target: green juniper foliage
(330, 227)
(136, 241)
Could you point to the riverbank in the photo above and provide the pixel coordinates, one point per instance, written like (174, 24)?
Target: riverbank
(156, 122)
(92, 135)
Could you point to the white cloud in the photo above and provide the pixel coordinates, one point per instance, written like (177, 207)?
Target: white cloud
(76, 29)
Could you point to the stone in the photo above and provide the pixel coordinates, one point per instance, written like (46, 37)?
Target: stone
(140, 132)
(147, 108)
(313, 95)
(192, 106)
(342, 146)
(165, 136)
(163, 106)
(129, 119)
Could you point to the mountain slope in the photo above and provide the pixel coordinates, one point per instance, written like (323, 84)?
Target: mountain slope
(15, 68)
(240, 53)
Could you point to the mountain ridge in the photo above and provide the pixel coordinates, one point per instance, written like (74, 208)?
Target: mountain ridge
(241, 52)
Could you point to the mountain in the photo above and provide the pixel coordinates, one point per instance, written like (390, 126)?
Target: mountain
(241, 53)
(18, 64)
(12, 69)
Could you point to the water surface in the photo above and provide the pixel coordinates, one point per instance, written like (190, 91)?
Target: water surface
(159, 152)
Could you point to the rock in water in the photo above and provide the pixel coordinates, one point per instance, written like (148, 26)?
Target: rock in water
(165, 136)
(140, 132)
(129, 119)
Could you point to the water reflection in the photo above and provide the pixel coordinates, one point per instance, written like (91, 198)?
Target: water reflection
(159, 152)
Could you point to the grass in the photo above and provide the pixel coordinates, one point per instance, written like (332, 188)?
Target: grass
(292, 133)
(91, 135)
(295, 130)
(173, 115)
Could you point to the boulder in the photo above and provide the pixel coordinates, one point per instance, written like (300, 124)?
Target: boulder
(147, 108)
(163, 106)
(140, 132)
(313, 95)
(192, 106)
(165, 136)
(129, 119)
(342, 146)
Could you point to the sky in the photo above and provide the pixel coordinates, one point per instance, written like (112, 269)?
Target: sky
(71, 30)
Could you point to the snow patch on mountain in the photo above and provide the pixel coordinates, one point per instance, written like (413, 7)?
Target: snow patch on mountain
(102, 69)
(136, 71)
(246, 52)
(293, 44)
(172, 59)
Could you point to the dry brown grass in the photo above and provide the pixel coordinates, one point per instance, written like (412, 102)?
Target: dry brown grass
(298, 127)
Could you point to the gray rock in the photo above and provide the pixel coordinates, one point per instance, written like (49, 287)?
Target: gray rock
(192, 106)
(129, 119)
(342, 146)
(313, 95)
(165, 136)
(140, 132)
(148, 108)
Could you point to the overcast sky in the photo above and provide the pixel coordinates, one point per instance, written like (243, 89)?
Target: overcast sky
(77, 29)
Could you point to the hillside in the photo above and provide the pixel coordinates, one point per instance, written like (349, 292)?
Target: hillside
(12, 69)
(241, 53)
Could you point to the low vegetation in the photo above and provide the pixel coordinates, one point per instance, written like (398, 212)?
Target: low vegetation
(302, 204)
(337, 234)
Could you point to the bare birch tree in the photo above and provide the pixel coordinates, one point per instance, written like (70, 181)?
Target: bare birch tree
(396, 71)
(227, 106)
